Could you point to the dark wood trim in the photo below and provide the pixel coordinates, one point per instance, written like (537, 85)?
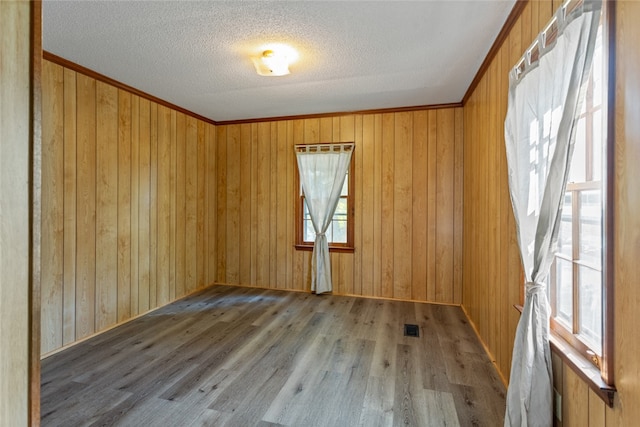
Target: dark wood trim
(101, 77)
(35, 215)
(339, 249)
(604, 386)
(608, 275)
(589, 373)
(343, 113)
(333, 247)
(572, 339)
(495, 48)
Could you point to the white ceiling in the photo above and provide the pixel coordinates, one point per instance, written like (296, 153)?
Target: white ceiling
(354, 55)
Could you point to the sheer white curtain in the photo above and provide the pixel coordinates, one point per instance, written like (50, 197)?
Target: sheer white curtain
(545, 94)
(322, 168)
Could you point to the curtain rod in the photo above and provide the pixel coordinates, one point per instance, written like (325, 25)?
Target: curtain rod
(546, 39)
(325, 147)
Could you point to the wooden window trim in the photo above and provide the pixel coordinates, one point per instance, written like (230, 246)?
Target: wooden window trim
(599, 375)
(582, 366)
(347, 247)
(599, 379)
(606, 370)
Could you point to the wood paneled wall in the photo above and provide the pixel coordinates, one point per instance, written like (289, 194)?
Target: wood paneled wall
(627, 217)
(17, 143)
(143, 204)
(408, 204)
(138, 198)
(128, 206)
(491, 269)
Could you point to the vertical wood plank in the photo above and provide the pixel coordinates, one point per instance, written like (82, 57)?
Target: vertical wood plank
(283, 222)
(419, 214)
(344, 131)
(212, 206)
(402, 200)
(516, 48)
(255, 217)
(153, 205)
(492, 202)
(273, 206)
(163, 205)
(311, 136)
(432, 166)
(262, 201)
(244, 149)
(470, 220)
(366, 187)
(124, 206)
(144, 179)
(290, 200)
(173, 197)
(525, 19)
(387, 200)
(505, 209)
(352, 129)
(325, 129)
(52, 225)
(205, 204)
(444, 206)
(86, 207)
(70, 206)
(483, 223)
(200, 205)
(377, 206)
(181, 204)
(233, 204)
(20, 73)
(626, 208)
(536, 24)
(191, 204)
(457, 206)
(106, 205)
(544, 11)
(575, 402)
(312, 131)
(596, 410)
(221, 198)
(297, 137)
(135, 200)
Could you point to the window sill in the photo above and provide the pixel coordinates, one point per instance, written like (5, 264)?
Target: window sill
(339, 249)
(583, 367)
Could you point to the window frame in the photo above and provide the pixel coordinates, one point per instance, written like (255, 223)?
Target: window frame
(301, 244)
(571, 333)
(598, 372)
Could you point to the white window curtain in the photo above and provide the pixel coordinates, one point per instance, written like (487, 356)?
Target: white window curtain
(322, 169)
(545, 94)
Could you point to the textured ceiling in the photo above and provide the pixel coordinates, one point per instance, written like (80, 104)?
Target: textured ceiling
(354, 55)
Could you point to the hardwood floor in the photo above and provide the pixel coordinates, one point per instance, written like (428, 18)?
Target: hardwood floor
(251, 357)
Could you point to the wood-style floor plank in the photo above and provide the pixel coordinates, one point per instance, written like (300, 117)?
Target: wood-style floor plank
(234, 356)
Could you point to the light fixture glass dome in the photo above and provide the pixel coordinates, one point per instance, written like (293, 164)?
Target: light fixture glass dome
(275, 60)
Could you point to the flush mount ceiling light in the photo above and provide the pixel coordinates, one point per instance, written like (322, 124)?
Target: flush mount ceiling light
(275, 60)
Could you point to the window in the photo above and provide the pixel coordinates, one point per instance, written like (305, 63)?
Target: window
(578, 281)
(340, 232)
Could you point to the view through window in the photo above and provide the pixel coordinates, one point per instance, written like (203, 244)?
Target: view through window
(340, 232)
(576, 285)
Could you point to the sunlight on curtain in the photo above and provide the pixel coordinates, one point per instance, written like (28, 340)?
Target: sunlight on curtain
(545, 93)
(322, 169)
